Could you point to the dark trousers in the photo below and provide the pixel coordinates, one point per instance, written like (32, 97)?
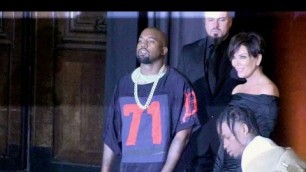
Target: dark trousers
(203, 163)
(205, 145)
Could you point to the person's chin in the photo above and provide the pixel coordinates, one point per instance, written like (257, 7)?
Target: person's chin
(215, 35)
(240, 76)
(236, 76)
(230, 154)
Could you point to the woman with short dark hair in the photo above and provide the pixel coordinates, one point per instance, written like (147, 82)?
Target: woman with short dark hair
(259, 93)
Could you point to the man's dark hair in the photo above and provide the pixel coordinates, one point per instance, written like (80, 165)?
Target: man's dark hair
(233, 114)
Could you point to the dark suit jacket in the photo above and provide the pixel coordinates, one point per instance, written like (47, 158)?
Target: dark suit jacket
(210, 104)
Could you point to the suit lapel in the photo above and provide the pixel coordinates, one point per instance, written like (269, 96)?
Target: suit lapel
(200, 51)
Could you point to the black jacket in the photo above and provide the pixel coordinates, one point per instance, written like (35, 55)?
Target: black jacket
(210, 104)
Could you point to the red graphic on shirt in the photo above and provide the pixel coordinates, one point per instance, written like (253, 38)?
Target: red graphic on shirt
(190, 105)
(136, 112)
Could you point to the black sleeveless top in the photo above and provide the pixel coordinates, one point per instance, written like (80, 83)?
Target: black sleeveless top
(264, 106)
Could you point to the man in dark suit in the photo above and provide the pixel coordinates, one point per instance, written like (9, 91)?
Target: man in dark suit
(207, 66)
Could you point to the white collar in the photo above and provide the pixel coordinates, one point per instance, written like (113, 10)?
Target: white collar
(257, 146)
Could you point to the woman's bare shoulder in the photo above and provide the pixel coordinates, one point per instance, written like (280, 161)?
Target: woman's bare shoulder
(270, 88)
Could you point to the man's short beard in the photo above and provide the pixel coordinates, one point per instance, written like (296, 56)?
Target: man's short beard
(145, 60)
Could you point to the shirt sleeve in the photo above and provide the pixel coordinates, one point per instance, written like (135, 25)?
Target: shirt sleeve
(188, 109)
(112, 132)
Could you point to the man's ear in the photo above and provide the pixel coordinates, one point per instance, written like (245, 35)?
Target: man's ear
(245, 129)
(165, 51)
